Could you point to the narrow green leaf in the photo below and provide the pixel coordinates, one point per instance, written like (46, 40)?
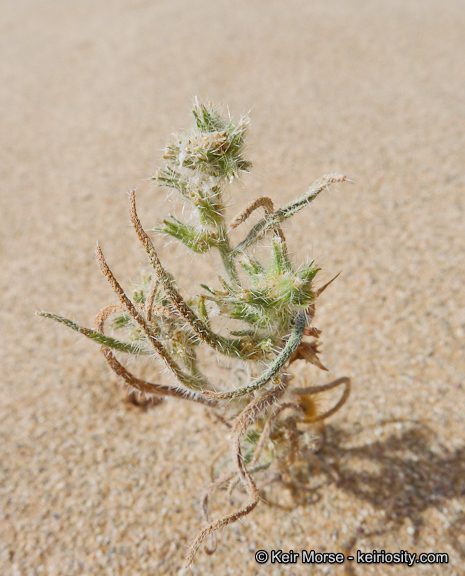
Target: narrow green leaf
(205, 287)
(96, 336)
(271, 221)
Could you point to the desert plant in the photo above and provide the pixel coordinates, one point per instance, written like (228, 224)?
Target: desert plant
(258, 315)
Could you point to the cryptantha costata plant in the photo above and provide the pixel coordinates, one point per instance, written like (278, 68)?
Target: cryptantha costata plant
(259, 314)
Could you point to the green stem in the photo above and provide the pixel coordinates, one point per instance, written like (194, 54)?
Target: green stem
(225, 250)
(227, 346)
(273, 220)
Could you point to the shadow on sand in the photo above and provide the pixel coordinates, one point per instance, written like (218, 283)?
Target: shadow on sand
(402, 475)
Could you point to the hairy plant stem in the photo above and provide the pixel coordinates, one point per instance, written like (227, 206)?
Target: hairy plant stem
(273, 220)
(143, 386)
(228, 346)
(227, 258)
(188, 380)
(242, 423)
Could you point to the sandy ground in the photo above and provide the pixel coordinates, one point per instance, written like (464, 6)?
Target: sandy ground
(89, 94)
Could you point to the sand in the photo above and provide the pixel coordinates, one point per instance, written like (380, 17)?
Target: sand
(89, 94)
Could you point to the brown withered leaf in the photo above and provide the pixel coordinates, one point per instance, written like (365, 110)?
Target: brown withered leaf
(308, 351)
(323, 288)
(312, 331)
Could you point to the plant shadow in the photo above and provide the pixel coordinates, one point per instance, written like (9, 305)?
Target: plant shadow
(403, 474)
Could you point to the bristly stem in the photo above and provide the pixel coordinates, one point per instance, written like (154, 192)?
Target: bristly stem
(323, 388)
(227, 258)
(242, 423)
(186, 379)
(262, 201)
(143, 386)
(231, 347)
(272, 221)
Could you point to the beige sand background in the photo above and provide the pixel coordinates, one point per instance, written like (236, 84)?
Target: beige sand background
(89, 94)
